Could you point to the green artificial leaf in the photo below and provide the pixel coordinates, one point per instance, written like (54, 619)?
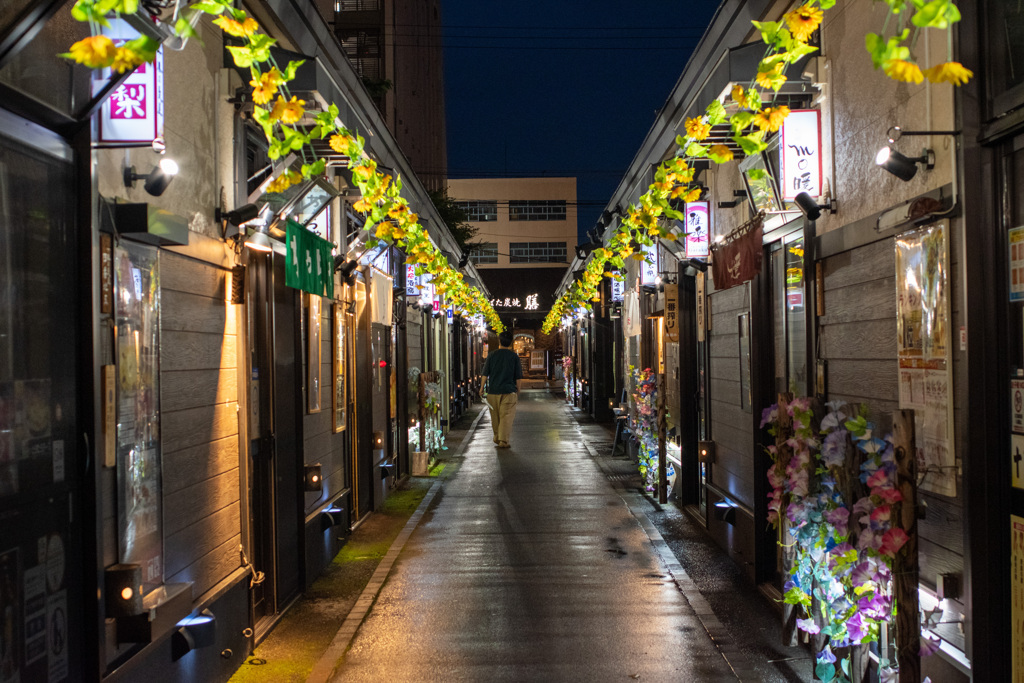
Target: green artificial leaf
(292, 69)
(695, 149)
(826, 4)
(845, 664)
(716, 113)
(753, 99)
(209, 6)
(771, 60)
(825, 671)
(184, 29)
(799, 51)
(145, 46)
(673, 214)
(769, 30)
(680, 142)
(936, 14)
(751, 143)
(242, 56)
(129, 6)
(741, 120)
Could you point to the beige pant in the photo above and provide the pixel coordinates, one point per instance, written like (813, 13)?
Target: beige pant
(503, 413)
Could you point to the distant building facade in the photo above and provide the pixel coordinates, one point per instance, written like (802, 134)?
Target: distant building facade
(395, 47)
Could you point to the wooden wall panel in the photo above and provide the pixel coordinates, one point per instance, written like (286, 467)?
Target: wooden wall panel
(871, 339)
(201, 500)
(190, 466)
(212, 568)
(188, 545)
(185, 389)
(185, 428)
(197, 351)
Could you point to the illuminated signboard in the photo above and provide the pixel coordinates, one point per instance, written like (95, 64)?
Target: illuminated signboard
(698, 223)
(800, 154)
(412, 281)
(618, 289)
(649, 266)
(530, 304)
(134, 113)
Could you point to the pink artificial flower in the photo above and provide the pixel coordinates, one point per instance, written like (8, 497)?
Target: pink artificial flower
(892, 541)
(879, 478)
(882, 513)
(888, 495)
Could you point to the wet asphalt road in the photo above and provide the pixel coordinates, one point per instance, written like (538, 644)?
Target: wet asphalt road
(530, 567)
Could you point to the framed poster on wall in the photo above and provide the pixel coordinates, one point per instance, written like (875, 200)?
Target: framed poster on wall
(340, 369)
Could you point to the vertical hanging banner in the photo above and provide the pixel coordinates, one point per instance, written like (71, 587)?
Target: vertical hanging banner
(412, 281)
(671, 313)
(309, 263)
(923, 351)
(618, 289)
(800, 153)
(738, 259)
(698, 223)
(649, 267)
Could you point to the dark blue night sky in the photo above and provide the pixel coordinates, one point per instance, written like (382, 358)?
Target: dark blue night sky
(561, 88)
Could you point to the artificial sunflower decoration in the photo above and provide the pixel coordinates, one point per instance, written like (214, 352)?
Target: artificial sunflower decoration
(264, 89)
(804, 21)
(739, 96)
(771, 77)
(949, 72)
(284, 181)
(720, 154)
(697, 128)
(902, 70)
(93, 52)
(770, 118)
(238, 29)
(341, 143)
(126, 59)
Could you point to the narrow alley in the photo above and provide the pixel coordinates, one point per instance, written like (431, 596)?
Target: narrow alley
(529, 564)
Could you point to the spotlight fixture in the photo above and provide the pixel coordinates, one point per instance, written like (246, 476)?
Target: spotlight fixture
(346, 267)
(583, 250)
(259, 241)
(693, 266)
(739, 195)
(901, 166)
(812, 209)
(239, 216)
(157, 180)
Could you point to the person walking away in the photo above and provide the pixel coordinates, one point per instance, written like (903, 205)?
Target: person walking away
(503, 374)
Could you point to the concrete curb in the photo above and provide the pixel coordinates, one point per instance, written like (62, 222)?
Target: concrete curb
(737, 660)
(329, 660)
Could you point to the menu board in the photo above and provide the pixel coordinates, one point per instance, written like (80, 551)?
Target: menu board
(923, 351)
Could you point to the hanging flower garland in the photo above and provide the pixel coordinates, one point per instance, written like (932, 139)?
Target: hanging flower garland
(389, 220)
(645, 425)
(841, 575)
(751, 115)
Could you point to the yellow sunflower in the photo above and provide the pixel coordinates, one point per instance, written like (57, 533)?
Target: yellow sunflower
(284, 181)
(771, 118)
(697, 129)
(902, 70)
(949, 72)
(125, 59)
(233, 27)
(720, 154)
(773, 78)
(341, 143)
(93, 51)
(803, 21)
(739, 96)
(265, 88)
(693, 195)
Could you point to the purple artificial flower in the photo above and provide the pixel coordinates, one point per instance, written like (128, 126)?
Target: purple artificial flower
(877, 606)
(833, 452)
(839, 519)
(929, 646)
(825, 656)
(808, 626)
(862, 574)
(769, 415)
(856, 629)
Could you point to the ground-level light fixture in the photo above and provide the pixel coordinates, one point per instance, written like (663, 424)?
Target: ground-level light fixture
(313, 479)
(811, 208)
(157, 180)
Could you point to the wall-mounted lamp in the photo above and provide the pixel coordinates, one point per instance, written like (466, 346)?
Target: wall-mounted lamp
(901, 166)
(706, 451)
(904, 167)
(725, 511)
(238, 217)
(333, 516)
(346, 267)
(387, 469)
(583, 250)
(693, 266)
(607, 216)
(312, 478)
(157, 180)
(812, 209)
(123, 590)
(739, 195)
(259, 241)
(378, 440)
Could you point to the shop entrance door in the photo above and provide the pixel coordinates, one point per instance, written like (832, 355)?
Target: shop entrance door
(275, 441)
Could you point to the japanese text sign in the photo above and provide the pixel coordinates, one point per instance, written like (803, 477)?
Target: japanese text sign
(649, 266)
(800, 153)
(134, 112)
(697, 224)
(309, 263)
(618, 289)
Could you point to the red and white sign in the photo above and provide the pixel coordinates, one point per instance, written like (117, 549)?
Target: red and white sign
(412, 280)
(800, 154)
(134, 112)
(698, 223)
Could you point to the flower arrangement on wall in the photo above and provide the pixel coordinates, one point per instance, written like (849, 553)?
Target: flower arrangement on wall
(389, 218)
(841, 573)
(751, 115)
